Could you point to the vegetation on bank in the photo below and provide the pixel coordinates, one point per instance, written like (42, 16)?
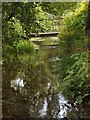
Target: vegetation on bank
(73, 68)
(21, 19)
(22, 47)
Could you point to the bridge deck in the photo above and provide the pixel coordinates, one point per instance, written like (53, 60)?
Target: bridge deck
(46, 34)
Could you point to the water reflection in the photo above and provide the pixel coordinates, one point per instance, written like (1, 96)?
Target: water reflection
(25, 85)
(17, 83)
(43, 110)
(30, 89)
(63, 103)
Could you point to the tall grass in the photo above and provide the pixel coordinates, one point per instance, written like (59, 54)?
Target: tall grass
(25, 47)
(8, 50)
(22, 47)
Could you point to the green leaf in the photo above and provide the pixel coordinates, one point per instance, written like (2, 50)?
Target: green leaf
(79, 99)
(80, 84)
(86, 95)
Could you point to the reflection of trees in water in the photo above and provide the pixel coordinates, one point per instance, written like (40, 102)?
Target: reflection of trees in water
(52, 107)
(38, 91)
(9, 95)
(35, 77)
(9, 72)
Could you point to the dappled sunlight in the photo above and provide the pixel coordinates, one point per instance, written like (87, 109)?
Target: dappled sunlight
(45, 60)
(18, 83)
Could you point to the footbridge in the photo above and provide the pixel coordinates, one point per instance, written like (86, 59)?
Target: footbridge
(46, 27)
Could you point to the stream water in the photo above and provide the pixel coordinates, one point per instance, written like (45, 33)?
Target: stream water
(30, 90)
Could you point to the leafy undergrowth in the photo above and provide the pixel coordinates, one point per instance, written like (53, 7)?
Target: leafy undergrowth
(72, 32)
(25, 47)
(76, 83)
(21, 47)
(73, 67)
(74, 79)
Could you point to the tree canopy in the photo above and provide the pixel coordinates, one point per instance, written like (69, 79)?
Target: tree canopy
(21, 18)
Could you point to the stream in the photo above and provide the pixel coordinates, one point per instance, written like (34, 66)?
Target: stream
(31, 90)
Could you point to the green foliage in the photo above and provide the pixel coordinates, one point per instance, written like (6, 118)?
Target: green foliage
(22, 47)
(24, 12)
(72, 32)
(21, 18)
(45, 21)
(25, 47)
(76, 78)
(73, 67)
(17, 19)
(62, 66)
(57, 8)
(8, 50)
(18, 27)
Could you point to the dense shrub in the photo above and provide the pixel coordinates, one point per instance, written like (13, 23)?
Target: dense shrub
(25, 47)
(73, 68)
(21, 47)
(72, 31)
(76, 83)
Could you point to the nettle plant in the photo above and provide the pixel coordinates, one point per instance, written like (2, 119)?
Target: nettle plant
(77, 79)
(75, 69)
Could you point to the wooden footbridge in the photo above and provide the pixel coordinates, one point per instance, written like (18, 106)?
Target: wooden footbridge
(46, 28)
(46, 34)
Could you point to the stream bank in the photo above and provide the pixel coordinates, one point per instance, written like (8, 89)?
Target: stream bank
(30, 90)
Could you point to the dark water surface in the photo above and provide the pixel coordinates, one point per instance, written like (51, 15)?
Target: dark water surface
(30, 90)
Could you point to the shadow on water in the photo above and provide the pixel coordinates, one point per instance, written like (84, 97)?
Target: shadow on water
(30, 90)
